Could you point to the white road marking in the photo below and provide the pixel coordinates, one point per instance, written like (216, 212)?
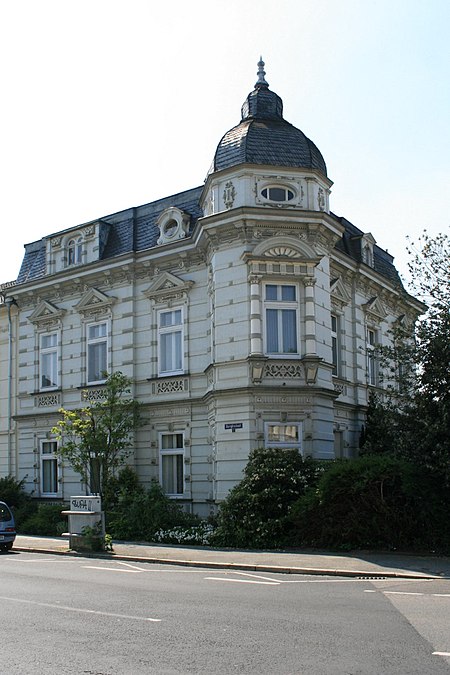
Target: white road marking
(245, 581)
(442, 653)
(52, 560)
(133, 567)
(254, 576)
(401, 593)
(80, 610)
(110, 569)
(318, 581)
(295, 581)
(427, 595)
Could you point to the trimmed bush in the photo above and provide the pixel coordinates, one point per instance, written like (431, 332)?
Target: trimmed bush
(375, 501)
(255, 513)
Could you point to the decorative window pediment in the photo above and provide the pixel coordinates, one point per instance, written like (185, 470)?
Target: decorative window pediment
(167, 286)
(375, 309)
(173, 225)
(94, 302)
(46, 313)
(339, 294)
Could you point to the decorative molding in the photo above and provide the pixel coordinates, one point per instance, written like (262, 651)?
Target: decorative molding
(375, 309)
(94, 301)
(282, 251)
(229, 194)
(46, 314)
(339, 294)
(167, 286)
(45, 400)
(93, 395)
(170, 386)
(284, 369)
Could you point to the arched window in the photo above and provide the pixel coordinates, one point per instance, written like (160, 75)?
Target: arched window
(74, 251)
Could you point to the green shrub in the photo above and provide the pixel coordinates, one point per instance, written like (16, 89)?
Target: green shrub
(12, 491)
(375, 501)
(125, 483)
(255, 513)
(139, 515)
(44, 520)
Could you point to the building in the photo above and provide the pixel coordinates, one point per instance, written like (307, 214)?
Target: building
(245, 312)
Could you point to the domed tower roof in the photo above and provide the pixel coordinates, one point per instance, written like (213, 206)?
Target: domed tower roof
(265, 137)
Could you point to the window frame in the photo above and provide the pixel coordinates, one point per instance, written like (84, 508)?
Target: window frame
(170, 330)
(287, 190)
(298, 443)
(279, 305)
(74, 251)
(372, 363)
(93, 342)
(46, 458)
(52, 351)
(336, 344)
(176, 451)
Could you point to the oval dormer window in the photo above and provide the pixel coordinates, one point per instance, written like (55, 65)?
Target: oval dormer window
(170, 228)
(277, 193)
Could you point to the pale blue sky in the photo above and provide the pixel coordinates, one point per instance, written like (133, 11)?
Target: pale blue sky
(107, 105)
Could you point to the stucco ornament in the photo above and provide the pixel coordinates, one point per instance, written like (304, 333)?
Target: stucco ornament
(229, 194)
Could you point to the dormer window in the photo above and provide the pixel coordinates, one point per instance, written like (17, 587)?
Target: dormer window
(367, 255)
(367, 244)
(170, 228)
(277, 193)
(74, 251)
(173, 225)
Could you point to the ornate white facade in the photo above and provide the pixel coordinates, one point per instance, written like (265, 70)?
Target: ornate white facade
(244, 312)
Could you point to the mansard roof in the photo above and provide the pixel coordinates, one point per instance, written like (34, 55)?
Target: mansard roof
(383, 262)
(131, 230)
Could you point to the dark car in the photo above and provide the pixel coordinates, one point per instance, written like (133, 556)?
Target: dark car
(7, 528)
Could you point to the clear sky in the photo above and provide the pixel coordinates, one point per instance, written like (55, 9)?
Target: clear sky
(108, 104)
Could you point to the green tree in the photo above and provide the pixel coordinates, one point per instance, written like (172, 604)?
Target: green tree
(417, 414)
(97, 439)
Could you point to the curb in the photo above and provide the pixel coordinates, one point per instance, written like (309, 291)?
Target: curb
(317, 571)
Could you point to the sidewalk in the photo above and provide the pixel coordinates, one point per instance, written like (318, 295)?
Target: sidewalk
(355, 564)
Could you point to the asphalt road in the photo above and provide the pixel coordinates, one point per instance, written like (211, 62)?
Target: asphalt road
(99, 617)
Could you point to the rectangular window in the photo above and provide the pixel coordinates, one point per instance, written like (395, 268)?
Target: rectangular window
(172, 464)
(48, 361)
(97, 352)
(281, 310)
(49, 468)
(335, 347)
(279, 435)
(170, 339)
(371, 358)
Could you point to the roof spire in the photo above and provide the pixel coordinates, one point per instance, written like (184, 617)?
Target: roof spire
(261, 82)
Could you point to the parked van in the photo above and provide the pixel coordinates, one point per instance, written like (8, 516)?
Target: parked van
(7, 528)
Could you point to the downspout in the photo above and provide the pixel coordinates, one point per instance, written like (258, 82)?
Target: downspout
(9, 301)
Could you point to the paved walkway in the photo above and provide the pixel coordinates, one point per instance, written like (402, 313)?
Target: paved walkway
(358, 563)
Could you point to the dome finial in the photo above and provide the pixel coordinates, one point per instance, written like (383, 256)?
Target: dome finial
(261, 82)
